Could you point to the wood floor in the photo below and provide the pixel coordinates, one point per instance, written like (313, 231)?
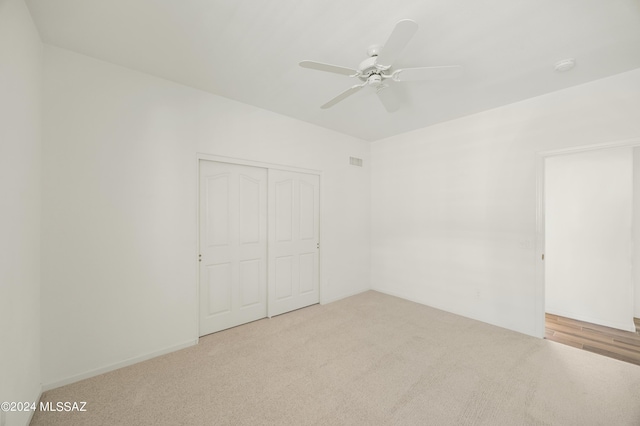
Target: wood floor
(611, 342)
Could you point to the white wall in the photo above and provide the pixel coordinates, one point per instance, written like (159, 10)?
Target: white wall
(20, 102)
(119, 221)
(454, 205)
(588, 211)
(636, 230)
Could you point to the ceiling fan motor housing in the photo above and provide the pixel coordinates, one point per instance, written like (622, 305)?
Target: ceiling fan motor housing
(369, 68)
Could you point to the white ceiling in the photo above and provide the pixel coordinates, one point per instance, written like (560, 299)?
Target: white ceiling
(249, 50)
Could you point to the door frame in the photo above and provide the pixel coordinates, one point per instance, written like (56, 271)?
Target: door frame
(252, 163)
(540, 219)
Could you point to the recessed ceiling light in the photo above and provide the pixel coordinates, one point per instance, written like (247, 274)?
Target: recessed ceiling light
(565, 65)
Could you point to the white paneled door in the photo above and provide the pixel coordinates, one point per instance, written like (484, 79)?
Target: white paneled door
(293, 240)
(233, 245)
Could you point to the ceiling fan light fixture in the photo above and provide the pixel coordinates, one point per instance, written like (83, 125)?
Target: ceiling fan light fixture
(374, 80)
(565, 65)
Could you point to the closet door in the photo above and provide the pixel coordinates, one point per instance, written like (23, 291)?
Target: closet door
(233, 245)
(294, 212)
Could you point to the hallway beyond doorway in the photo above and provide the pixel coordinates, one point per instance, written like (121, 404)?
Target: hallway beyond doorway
(610, 342)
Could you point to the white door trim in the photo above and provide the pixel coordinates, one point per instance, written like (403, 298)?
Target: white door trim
(246, 162)
(540, 219)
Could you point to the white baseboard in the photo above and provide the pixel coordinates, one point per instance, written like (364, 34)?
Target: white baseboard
(344, 296)
(37, 401)
(444, 309)
(413, 299)
(26, 416)
(422, 302)
(115, 366)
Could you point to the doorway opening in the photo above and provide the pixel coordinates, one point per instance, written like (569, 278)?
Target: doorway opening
(588, 221)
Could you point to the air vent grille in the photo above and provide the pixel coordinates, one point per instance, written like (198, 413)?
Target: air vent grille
(355, 161)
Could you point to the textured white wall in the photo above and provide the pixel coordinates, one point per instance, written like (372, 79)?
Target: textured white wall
(20, 148)
(588, 212)
(454, 205)
(120, 198)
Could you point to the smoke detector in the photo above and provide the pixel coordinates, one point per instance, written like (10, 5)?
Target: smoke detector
(565, 65)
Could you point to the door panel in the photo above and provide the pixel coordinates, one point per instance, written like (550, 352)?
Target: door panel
(219, 288)
(294, 200)
(217, 210)
(250, 211)
(283, 277)
(233, 245)
(284, 210)
(307, 272)
(250, 281)
(307, 209)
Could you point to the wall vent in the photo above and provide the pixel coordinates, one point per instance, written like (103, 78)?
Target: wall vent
(355, 161)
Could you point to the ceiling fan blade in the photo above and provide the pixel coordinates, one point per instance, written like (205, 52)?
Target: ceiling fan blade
(342, 96)
(399, 38)
(327, 67)
(427, 73)
(389, 99)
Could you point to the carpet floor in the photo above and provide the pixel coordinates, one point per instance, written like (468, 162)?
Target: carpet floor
(370, 359)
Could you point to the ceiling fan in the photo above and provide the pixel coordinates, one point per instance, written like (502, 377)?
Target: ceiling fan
(376, 70)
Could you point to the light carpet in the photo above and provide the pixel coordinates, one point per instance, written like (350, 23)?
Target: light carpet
(371, 359)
